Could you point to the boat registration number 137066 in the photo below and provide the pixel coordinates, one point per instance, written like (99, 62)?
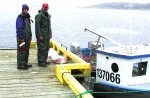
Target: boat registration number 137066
(108, 76)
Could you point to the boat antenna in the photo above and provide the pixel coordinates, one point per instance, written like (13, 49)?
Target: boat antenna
(130, 6)
(118, 34)
(131, 25)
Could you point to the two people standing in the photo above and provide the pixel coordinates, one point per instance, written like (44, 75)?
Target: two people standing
(24, 34)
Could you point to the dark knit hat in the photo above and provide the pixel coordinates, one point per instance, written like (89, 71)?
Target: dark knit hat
(25, 6)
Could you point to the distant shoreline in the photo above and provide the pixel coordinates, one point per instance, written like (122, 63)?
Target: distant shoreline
(121, 6)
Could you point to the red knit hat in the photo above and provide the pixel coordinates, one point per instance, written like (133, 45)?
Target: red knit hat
(45, 5)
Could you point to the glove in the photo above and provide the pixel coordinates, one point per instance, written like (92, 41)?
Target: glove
(23, 47)
(40, 38)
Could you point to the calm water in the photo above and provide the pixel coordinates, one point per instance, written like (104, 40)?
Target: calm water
(68, 25)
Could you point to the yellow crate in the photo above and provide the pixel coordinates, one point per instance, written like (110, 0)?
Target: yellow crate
(33, 44)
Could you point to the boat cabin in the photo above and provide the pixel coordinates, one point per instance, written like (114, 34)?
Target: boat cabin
(123, 65)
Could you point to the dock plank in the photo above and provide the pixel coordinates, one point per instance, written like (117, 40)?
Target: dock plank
(36, 82)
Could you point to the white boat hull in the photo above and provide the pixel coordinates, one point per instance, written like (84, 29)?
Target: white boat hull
(123, 93)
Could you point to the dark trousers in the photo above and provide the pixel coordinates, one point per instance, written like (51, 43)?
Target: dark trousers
(43, 48)
(22, 56)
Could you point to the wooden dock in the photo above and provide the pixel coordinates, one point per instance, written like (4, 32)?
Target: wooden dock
(36, 82)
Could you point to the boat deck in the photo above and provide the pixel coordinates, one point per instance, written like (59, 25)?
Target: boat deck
(36, 82)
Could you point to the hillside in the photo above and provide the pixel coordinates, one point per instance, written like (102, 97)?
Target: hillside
(121, 5)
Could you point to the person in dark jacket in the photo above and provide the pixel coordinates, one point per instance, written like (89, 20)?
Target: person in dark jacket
(24, 35)
(43, 34)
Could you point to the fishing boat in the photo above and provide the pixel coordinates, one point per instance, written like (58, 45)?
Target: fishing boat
(122, 71)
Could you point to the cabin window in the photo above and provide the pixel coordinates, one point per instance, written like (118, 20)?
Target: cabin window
(114, 67)
(139, 69)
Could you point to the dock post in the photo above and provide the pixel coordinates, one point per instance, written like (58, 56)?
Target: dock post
(91, 86)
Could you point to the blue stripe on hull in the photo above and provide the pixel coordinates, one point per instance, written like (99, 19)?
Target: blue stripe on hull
(123, 56)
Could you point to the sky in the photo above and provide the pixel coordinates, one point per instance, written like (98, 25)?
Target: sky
(63, 3)
(80, 3)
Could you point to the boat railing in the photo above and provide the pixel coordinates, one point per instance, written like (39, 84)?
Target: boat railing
(125, 49)
(100, 36)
